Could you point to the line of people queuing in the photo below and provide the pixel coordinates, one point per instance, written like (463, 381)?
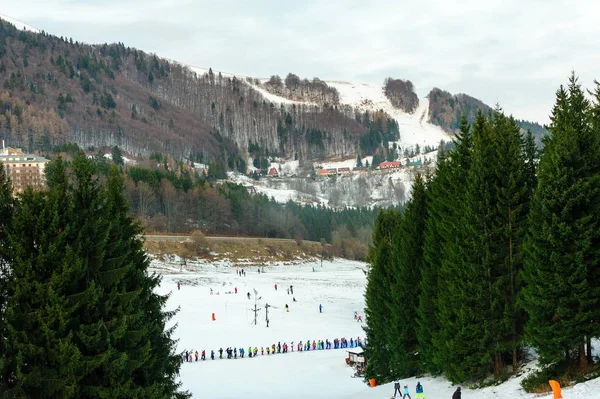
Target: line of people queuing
(233, 353)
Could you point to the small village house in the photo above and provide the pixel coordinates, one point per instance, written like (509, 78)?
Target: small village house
(389, 165)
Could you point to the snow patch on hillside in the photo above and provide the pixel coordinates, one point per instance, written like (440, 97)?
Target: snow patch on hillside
(347, 163)
(414, 128)
(127, 161)
(18, 24)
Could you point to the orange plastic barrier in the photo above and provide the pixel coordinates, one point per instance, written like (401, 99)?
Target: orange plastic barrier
(213, 317)
(555, 389)
(372, 382)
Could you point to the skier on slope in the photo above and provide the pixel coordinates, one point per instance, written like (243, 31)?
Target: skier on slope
(420, 393)
(397, 388)
(212, 354)
(320, 308)
(220, 353)
(406, 392)
(456, 394)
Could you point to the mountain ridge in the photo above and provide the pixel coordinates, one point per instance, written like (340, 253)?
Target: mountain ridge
(116, 95)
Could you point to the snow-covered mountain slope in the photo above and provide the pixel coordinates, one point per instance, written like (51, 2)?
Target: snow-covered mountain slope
(414, 128)
(18, 24)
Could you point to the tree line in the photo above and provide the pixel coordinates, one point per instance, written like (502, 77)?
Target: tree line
(171, 197)
(79, 314)
(495, 253)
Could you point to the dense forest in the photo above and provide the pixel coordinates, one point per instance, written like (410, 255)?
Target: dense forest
(495, 253)
(79, 313)
(57, 90)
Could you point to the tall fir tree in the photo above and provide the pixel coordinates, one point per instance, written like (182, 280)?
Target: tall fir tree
(460, 304)
(408, 256)
(378, 296)
(562, 248)
(7, 207)
(436, 223)
(514, 177)
(41, 359)
(83, 318)
(594, 270)
(155, 367)
(531, 159)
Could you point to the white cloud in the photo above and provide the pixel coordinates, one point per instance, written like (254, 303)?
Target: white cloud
(513, 52)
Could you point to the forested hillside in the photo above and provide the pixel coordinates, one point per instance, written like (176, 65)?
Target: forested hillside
(170, 197)
(446, 109)
(105, 95)
(496, 253)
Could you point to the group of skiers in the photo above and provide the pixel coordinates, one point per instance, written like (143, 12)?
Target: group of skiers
(405, 393)
(233, 353)
(419, 391)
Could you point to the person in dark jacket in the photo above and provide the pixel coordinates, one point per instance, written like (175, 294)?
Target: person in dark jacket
(456, 394)
(397, 388)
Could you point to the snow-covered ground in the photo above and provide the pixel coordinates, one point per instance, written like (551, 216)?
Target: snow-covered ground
(18, 24)
(414, 128)
(338, 286)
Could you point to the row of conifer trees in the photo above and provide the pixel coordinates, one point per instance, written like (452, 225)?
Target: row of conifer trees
(79, 315)
(497, 251)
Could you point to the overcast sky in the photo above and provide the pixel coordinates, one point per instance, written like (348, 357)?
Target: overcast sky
(512, 52)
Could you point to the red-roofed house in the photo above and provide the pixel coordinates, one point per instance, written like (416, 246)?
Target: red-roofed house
(389, 165)
(273, 172)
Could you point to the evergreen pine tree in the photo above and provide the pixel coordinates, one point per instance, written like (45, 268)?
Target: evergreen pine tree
(531, 158)
(7, 206)
(436, 223)
(378, 296)
(41, 359)
(358, 161)
(460, 304)
(83, 319)
(408, 256)
(150, 347)
(561, 252)
(117, 156)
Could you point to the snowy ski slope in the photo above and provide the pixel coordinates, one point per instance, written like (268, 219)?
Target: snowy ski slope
(338, 286)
